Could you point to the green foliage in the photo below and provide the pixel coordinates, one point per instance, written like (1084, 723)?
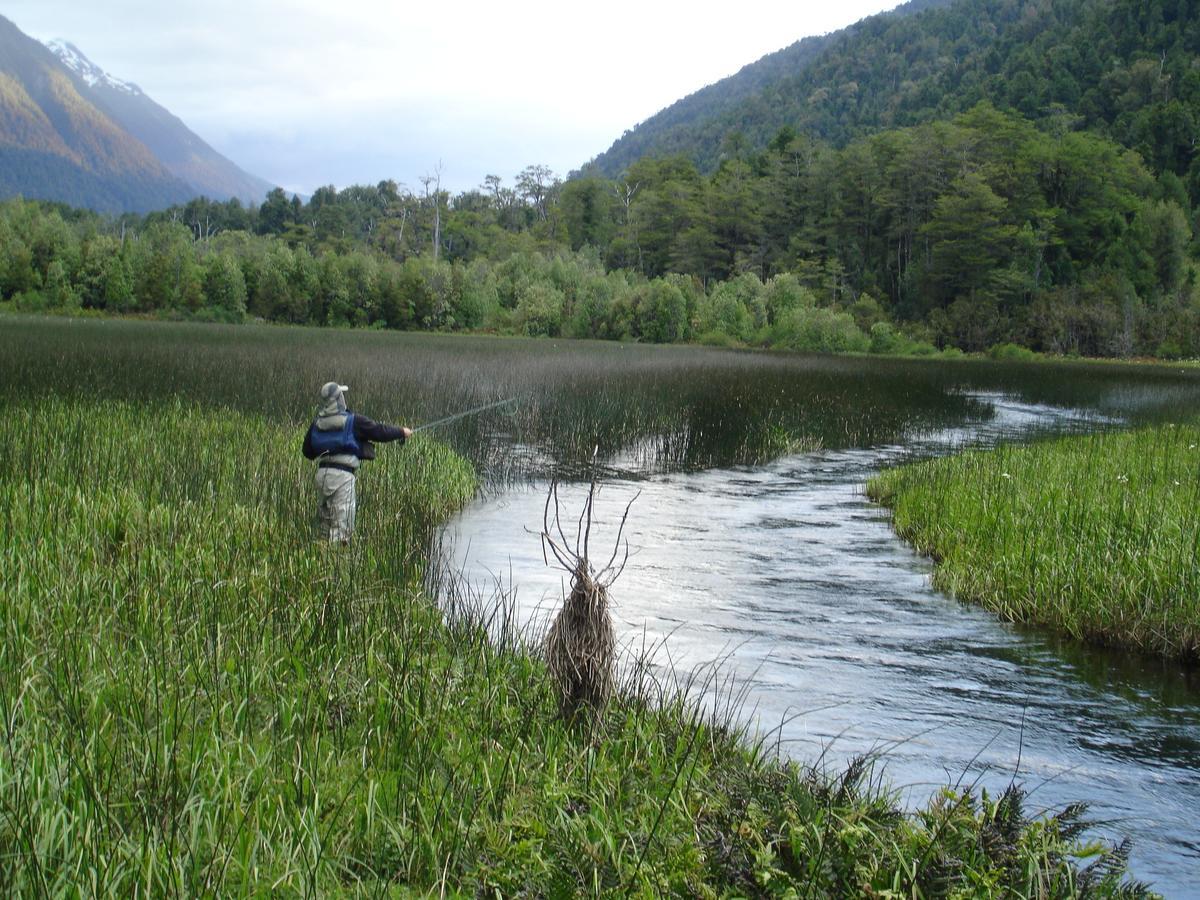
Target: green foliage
(664, 312)
(717, 338)
(654, 311)
(819, 330)
(589, 211)
(785, 292)
(1093, 535)
(886, 340)
(1122, 68)
(539, 309)
(1011, 352)
(969, 236)
(200, 699)
(969, 233)
(599, 310)
(737, 307)
(225, 286)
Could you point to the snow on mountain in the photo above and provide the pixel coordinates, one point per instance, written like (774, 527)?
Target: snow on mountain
(127, 150)
(92, 74)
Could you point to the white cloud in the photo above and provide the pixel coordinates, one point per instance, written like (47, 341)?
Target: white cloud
(307, 92)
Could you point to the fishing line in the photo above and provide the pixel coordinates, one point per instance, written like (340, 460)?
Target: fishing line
(469, 412)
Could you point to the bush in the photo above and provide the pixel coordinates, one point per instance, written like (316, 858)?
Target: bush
(868, 312)
(539, 309)
(661, 312)
(478, 299)
(1012, 352)
(820, 331)
(30, 301)
(885, 338)
(219, 315)
(736, 307)
(1169, 350)
(716, 338)
(591, 315)
(784, 293)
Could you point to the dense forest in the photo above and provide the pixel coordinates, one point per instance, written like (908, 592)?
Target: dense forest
(743, 104)
(38, 174)
(980, 231)
(1126, 69)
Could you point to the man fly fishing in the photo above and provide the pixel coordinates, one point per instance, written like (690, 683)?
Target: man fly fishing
(340, 440)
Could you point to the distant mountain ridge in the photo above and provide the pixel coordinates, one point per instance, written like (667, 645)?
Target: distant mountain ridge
(71, 132)
(56, 145)
(183, 152)
(71, 57)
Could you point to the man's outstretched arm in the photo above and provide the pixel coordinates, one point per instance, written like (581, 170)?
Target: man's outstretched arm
(369, 430)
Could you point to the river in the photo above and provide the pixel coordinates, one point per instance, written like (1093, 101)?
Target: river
(793, 585)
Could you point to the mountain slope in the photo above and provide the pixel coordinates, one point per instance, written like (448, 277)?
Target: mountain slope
(24, 124)
(696, 126)
(178, 148)
(1125, 68)
(56, 145)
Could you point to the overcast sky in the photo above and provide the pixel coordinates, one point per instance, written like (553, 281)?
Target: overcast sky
(311, 92)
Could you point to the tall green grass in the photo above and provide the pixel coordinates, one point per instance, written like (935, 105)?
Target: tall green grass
(651, 408)
(198, 698)
(1097, 535)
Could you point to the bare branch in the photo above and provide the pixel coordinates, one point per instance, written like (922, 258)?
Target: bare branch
(617, 542)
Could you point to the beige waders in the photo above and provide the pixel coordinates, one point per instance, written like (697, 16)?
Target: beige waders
(335, 504)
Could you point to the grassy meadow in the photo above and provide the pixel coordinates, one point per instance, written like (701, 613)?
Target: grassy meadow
(198, 698)
(1095, 535)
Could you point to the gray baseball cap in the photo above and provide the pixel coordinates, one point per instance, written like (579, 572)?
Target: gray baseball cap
(331, 389)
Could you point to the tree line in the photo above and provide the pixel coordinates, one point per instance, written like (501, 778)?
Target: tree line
(1123, 68)
(966, 234)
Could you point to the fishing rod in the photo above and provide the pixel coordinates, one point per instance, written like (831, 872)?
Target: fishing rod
(469, 412)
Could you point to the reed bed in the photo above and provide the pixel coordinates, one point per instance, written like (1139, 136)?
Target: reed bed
(647, 409)
(197, 698)
(1095, 535)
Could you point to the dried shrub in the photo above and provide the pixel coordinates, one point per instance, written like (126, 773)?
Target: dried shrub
(580, 646)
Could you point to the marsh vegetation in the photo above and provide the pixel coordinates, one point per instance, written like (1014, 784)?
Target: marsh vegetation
(1095, 535)
(198, 698)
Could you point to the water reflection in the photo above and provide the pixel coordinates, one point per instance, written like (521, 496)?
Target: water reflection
(797, 582)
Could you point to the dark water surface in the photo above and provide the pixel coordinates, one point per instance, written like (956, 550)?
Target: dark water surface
(786, 576)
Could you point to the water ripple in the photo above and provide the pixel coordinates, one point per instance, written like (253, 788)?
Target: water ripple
(798, 585)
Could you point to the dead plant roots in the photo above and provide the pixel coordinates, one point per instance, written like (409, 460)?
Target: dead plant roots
(580, 645)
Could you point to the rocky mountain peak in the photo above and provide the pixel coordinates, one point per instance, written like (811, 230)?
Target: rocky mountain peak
(74, 59)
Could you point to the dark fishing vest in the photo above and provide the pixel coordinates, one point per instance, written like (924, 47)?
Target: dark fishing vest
(332, 437)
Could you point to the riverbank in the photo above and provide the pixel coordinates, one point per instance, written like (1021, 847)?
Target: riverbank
(200, 699)
(1095, 535)
(886, 343)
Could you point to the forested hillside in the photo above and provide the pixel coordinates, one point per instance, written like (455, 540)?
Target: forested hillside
(1057, 213)
(698, 125)
(180, 150)
(963, 234)
(1127, 69)
(54, 143)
